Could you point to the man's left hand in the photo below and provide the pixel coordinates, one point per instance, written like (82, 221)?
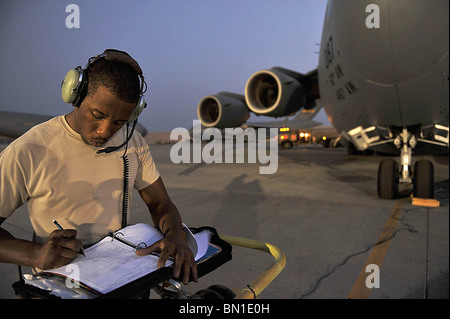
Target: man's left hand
(174, 245)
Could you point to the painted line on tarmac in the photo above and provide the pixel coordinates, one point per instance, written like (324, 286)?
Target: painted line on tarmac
(360, 289)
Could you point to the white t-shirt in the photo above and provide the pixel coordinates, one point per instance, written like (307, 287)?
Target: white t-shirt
(61, 177)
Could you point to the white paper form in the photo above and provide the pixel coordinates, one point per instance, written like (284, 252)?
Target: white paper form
(136, 234)
(109, 265)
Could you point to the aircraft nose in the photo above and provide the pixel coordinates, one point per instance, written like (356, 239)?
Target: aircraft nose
(418, 39)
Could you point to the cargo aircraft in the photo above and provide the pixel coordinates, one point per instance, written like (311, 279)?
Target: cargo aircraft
(382, 79)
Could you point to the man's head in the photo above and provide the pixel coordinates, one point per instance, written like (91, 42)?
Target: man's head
(119, 78)
(112, 92)
(100, 116)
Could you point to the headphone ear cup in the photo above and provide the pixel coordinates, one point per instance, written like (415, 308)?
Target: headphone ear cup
(70, 86)
(140, 106)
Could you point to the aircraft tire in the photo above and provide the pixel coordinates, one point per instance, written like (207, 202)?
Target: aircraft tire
(388, 179)
(423, 179)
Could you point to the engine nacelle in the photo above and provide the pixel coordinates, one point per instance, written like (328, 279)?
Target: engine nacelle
(223, 110)
(275, 92)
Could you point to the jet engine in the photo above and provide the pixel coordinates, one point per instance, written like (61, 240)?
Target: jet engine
(275, 92)
(225, 109)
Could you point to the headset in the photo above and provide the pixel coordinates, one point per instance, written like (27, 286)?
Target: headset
(75, 84)
(74, 90)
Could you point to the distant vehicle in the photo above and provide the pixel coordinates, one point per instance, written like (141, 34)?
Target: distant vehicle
(287, 137)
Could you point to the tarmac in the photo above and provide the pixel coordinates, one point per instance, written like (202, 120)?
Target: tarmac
(321, 209)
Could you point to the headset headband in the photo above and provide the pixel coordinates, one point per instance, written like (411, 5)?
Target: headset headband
(120, 56)
(74, 85)
(116, 55)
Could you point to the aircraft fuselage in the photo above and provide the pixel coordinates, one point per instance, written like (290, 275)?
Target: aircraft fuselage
(385, 64)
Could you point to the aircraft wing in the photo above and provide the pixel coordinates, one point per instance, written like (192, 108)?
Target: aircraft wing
(295, 123)
(14, 124)
(302, 121)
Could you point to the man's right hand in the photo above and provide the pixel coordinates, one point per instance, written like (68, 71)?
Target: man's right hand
(59, 249)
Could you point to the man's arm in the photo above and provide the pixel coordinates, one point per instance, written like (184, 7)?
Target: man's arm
(60, 248)
(165, 215)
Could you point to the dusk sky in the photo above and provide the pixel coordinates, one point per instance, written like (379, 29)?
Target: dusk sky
(186, 48)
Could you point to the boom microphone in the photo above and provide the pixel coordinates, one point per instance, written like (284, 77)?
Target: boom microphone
(110, 149)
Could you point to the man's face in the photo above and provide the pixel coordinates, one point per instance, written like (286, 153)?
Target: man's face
(100, 116)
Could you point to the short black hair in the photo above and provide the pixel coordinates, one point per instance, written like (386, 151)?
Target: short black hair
(119, 78)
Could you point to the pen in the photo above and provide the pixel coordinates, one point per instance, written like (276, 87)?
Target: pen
(60, 228)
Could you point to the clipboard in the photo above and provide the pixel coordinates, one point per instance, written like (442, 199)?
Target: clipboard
(142, 285)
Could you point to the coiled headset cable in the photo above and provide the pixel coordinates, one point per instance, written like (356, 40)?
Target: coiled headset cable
(126, 172)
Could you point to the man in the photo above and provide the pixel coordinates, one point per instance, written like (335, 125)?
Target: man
(60, 168)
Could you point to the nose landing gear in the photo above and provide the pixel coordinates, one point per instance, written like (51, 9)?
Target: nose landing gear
(423, 179)
(390, 175)
(388, 179)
